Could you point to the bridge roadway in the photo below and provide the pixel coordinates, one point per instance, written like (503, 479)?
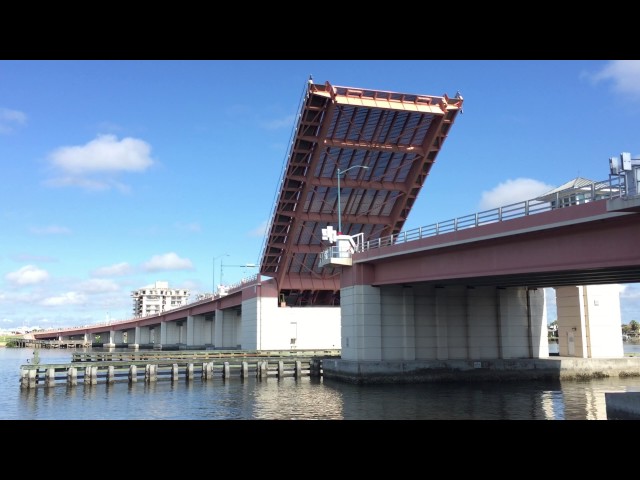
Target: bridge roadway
(592, 243)
(471, 300)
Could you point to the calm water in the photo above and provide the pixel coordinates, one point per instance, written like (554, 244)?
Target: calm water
(298, 399)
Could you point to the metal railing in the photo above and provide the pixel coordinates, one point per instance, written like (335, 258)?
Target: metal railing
(294, 132)
(614, 187)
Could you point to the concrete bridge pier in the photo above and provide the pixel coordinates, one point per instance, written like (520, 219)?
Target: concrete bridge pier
(419, 332)
(407, 323)
(589, 321)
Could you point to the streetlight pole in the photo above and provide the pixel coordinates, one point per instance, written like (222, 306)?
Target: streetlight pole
(213, 275)
(340, 172)
(247, 265)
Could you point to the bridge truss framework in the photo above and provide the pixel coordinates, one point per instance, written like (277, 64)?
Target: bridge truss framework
(397, 136)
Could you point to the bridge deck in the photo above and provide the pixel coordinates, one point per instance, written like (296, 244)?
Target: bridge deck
(396, 137)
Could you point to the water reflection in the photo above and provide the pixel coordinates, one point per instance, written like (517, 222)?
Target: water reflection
(450, 401)
(304, 398)
(291, 399)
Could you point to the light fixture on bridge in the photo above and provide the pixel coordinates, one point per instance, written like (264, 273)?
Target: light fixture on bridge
(340, 172)
(246, 265)
(214, 270)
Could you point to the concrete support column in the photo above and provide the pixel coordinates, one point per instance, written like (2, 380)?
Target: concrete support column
(499, 320)
(442, 332)
(117, 336)
(207, 337)
(217, 329)
(589, 321)
(466, 314)
(191, 330)
(521, 323)
(515, 331)
(571, 321)
(538, 316)
(229, 328)
(361, 323)
(456, 318)
(112, 339)
(408, 324)
(134, 338)
(164, 333)
(196, 331)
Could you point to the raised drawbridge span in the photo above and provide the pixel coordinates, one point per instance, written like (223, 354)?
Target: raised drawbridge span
(363, 153)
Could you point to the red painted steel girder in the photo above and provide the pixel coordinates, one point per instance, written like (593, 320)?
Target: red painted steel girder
(397, 136)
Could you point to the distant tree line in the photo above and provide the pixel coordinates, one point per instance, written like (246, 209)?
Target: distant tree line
(633, 328)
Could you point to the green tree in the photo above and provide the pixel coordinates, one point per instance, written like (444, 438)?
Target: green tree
(634, 326)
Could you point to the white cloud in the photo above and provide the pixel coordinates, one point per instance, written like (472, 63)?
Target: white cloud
(261, 230)
(104, 154)
(87, 184)
(167, 261)
(623, 74)
(69, 298)
(26, 257)
(50, 230)
(285, 122)
(513, 191)
(189, 227)
(28, 275)
(630, 291)
(110, 127)
(98, 285)
(116, 270)
(9, 119)
(238, 110)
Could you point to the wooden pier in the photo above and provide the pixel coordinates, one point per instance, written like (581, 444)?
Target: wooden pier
(33, 343)
(144, 355)
(153, 367)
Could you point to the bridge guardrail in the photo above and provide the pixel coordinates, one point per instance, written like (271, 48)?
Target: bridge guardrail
(614, 187)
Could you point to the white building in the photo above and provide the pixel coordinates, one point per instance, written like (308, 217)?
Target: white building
(157, 298)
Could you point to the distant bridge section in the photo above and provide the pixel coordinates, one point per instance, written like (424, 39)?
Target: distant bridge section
(396, 137)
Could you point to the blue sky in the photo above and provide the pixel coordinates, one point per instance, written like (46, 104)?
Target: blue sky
(117, 174)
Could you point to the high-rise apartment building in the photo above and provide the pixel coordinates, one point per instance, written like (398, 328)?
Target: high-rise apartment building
(157, 298)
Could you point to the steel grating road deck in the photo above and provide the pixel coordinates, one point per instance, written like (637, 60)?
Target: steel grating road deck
(396, 135)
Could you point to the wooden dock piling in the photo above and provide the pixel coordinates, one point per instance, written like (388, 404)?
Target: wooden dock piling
(163, 367)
